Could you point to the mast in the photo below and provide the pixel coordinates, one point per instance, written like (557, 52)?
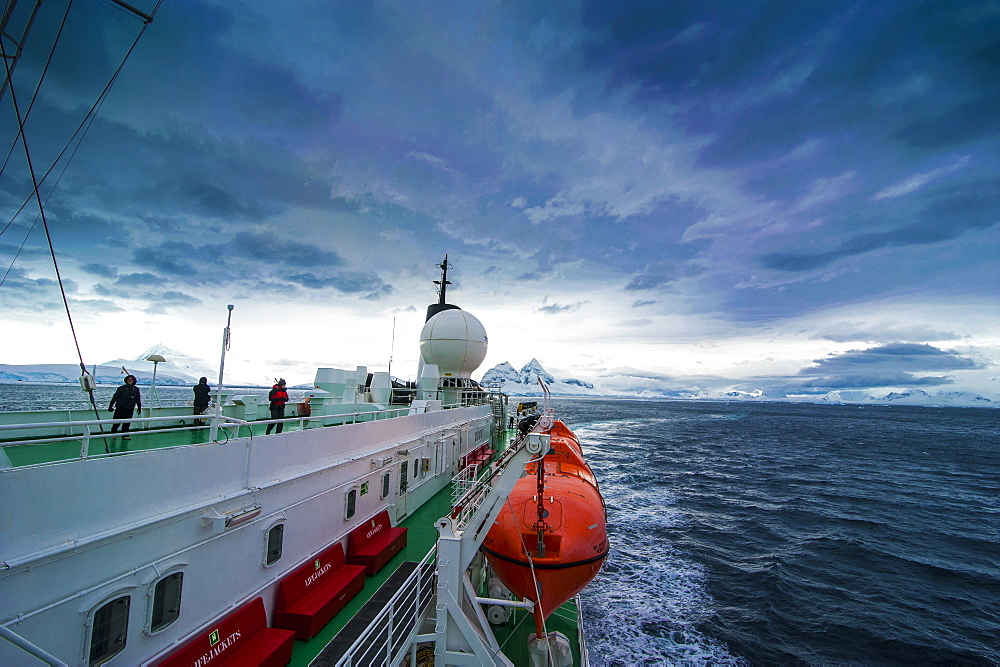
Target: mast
(442, 284)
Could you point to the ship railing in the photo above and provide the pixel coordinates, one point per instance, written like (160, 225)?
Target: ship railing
(462, 482)
(470, 488)
(83, 431)
(390, 634)
(35, 651)
(581, 635)
(468, 491)
(92, 429)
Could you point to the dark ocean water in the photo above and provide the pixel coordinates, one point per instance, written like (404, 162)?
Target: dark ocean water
(772, 533)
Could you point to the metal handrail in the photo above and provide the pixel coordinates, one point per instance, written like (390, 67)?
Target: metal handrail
(86, 434)
(29, 648)
(399, 618)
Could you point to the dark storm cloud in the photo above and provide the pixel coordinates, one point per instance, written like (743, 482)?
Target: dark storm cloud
(871, 381)
(267, 246)
(846, 332)
(349, 282)
(556, 308)
(649, 279)
(166, 259)
(170, 299)
(970, 207)
(136, 287)
(18, 281)
(101, 270)
(181, 259)
(9, 250)
(897, 364)
(138, 279)
(897, 356)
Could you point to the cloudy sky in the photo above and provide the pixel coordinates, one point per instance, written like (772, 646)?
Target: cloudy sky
(798, 197)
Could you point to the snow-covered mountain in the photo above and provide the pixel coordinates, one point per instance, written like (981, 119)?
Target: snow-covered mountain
(180, 366)
(179, 369)
(524, 382)
(944, 398)
(105, 374)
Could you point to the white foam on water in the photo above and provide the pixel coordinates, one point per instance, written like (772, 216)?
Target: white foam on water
(644, 607)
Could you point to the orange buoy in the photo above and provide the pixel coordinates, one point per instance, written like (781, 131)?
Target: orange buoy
(550, 539)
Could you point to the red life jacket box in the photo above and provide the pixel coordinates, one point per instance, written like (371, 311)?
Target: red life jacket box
(313, 594)
(374, 543)
(240, 638)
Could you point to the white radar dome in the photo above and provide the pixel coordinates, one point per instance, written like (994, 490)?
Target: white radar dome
(455, 341)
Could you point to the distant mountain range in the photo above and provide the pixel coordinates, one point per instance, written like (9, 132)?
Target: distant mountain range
(181, 369)
(524, 382)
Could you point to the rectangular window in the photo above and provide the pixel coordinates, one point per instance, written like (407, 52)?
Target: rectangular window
(275, 538)
(385, 486)
(352, 502)
(110, 630)
(402, 477)
(166, 601)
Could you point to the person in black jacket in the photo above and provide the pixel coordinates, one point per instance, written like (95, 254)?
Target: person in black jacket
(277, 398)
(126, 400)
(201, 393)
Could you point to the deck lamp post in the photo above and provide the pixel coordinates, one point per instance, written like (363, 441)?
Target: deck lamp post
(156, 359)
(213, 432)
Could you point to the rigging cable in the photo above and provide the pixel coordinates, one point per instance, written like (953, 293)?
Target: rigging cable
(85, 124)
(34, 96)
(38, 198)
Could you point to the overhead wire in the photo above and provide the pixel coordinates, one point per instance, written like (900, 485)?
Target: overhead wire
(38, 86)
(85, 124)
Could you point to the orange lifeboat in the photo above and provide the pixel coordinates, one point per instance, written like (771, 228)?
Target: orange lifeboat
(552, 530)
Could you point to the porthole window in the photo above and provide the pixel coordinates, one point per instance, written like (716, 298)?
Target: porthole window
(385, 485)
(275, 539)
(166, 605)
(352, 502)
(109, 631)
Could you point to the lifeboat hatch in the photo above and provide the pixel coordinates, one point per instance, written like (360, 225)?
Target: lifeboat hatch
(551, 541)
(553, 512)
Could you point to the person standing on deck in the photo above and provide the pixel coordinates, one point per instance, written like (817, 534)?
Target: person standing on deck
(126, 400)
(201, 392)
(277, 398)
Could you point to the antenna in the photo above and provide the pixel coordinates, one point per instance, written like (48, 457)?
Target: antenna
(392, 347)
(444, 282)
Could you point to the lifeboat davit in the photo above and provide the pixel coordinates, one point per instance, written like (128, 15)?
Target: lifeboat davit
(552, 530)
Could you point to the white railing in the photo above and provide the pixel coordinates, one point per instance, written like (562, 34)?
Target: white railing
(93, 429)
(37, 652)
(468, 495)
(389, 634)
(83, 431)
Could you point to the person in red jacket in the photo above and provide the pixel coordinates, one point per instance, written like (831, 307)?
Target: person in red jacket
(277, 398)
